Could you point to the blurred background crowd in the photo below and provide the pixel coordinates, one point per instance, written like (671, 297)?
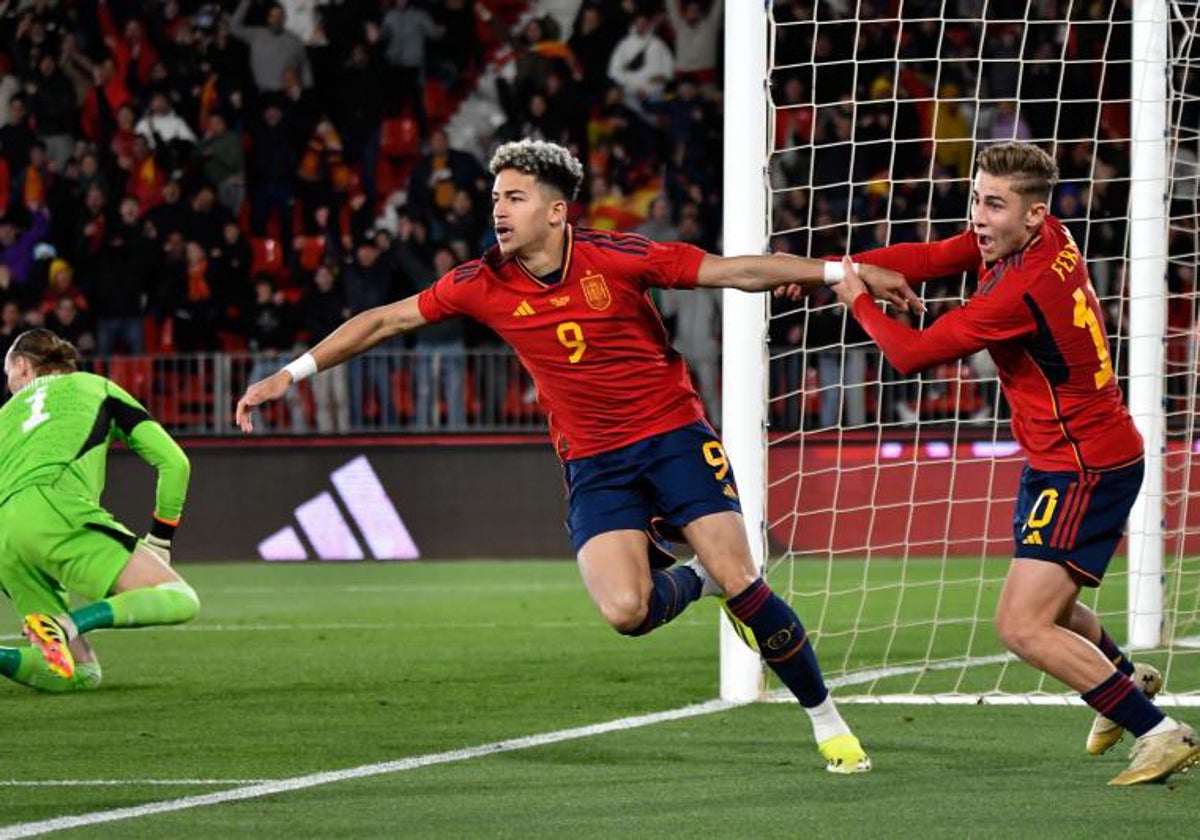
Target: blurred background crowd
(234, 179)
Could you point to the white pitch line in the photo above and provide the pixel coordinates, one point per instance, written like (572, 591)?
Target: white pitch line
(123, 782)
(254, 791)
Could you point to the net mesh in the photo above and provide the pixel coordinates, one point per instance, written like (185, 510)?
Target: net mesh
(890, 497)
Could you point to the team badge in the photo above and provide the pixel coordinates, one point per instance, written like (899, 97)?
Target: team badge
(595, 291)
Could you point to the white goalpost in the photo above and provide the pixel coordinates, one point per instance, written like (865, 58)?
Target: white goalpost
(880, 504)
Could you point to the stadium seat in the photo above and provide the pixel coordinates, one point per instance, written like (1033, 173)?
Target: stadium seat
(268, 256)
(311, 250)
(400, 138)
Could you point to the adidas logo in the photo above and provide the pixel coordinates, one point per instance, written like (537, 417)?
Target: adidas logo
(330, 534)
(523, 310)
(1035, 538)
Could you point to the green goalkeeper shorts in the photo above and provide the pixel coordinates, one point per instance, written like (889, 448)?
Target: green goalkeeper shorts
(52, 543)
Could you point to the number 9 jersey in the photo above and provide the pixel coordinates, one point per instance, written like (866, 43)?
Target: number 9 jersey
(589, 334)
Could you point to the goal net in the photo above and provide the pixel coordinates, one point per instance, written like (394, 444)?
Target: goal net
(889, 498)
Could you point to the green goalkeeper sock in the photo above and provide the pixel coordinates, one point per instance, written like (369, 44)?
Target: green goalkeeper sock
(167, 603)
(27, 666)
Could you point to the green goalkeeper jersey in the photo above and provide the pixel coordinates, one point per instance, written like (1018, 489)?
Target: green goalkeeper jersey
(57, 430)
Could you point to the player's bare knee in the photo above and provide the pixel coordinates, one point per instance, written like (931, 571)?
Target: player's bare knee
(1016, 633)
(625, 612)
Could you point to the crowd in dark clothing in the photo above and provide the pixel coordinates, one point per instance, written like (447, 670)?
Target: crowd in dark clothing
(168, 157)
(174, 175)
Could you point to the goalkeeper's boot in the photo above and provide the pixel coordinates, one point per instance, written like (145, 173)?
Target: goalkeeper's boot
(741, 628)
(1104, 732)
(50, 637)
(1157, 756)
(844, 754)
(708, 586)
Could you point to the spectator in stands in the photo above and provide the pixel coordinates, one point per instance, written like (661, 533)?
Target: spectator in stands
(696, 34)
(463, 222)
(404, 31)
(17, 136)
(66, 321)
(222, 162)
(168, 134)
(118, 292)
(272, 48)
(194, 311)
(53, 105)
(697, 322)
(358, 111)
(274, 159)
(206, 219)
(592, 44)
(301, 109)
(658, 225)
(451, 59)
(170, 214)
(231, 262)
(323, 309)
(12, 324)
(323, 175)
(271, 334)
(368, 283)
(642, 64)
(17, 245)
(438, 174)
(441, 363)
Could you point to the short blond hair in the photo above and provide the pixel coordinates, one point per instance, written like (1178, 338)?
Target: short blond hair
(1031, 172)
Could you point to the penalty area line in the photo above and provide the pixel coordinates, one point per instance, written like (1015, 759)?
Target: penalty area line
(255, 791)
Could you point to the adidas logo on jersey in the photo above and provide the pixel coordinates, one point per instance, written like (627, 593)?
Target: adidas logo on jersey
(523, 310)
(329, 533)
(1034, 538)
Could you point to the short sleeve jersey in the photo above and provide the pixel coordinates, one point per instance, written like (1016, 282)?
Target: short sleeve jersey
(594, 343)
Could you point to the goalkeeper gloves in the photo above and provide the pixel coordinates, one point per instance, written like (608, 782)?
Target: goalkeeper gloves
(159, 538)
(159, 546)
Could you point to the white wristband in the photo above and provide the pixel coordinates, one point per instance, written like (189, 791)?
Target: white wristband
(835, 272)
(302, 368)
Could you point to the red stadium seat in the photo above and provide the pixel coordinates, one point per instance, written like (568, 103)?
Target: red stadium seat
(268, 256)
(311, 250)
(400, 137)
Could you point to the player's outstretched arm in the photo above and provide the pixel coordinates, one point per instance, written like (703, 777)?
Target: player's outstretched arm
(357, 335)
(779, 271)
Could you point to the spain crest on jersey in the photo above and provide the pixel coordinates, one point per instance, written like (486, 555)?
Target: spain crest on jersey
(595, 291)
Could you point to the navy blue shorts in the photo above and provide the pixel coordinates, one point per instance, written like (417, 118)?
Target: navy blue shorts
(679, 475)
(1074, 519)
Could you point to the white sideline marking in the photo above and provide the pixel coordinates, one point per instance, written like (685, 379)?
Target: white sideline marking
(122, 782)
(259, 789)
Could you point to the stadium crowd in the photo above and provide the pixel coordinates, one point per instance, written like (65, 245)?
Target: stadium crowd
(189, 176)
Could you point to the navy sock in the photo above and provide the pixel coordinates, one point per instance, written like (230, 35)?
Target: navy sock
(1118, 699)
(782, 640)
(1115, 655)
(674, 589)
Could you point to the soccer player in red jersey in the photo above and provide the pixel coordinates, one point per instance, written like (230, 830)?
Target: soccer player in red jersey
(624, 417)
(1037, 315)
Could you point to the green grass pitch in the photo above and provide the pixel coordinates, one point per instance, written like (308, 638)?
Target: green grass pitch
(298, 669)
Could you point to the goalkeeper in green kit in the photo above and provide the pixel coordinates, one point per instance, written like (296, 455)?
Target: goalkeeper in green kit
(55, 537)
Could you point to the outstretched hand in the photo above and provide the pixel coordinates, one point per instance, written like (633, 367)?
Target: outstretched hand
(265, 390)
(885, 284)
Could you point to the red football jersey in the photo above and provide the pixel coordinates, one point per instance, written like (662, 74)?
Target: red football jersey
(593, 341)
(1036, 313)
